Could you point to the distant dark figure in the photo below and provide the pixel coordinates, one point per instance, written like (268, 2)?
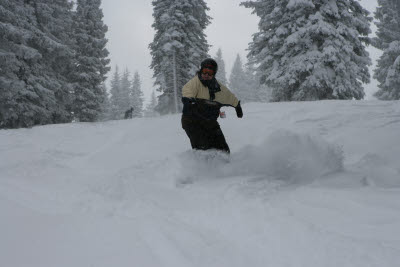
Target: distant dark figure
(128, 113)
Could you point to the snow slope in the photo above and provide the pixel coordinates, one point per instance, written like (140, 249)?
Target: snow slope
(308, 184)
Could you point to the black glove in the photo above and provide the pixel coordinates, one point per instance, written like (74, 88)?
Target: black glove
(239, 111)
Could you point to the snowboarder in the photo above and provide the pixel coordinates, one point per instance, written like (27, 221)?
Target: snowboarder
(202, 98)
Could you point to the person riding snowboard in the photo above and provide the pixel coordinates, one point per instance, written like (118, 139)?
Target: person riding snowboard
(202, 98)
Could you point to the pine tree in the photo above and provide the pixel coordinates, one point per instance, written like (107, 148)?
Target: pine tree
(150, 108)
(115, 98)
(91, 59)
(311, 49)
(387, 72)
(18, 102)
(178, 47)
(136, 95)
(221, 74)
(243, 82)
(125, 89)
(237, 79)
(105, 113)
(54, 20)
(253, 91)
(33, 89)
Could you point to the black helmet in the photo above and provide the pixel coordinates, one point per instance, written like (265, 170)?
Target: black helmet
(209, 63)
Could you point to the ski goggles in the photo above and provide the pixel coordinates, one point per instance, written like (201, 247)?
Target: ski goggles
(209, 72)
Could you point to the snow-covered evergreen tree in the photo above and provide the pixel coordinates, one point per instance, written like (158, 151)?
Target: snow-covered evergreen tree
(54, 20)
(178, 47)
(136, 95)
(150, 108)
(33, 86)
(91, 59)
(125, 94)
(237, 79)
(388, 69)
(125, 90)
(242, 82)
(105, 114)
(115, 98)
(221, 74)
(19, 104)
(311, 49)
(254, 91)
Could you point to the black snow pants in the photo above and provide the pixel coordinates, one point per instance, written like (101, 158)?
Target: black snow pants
(204, 134)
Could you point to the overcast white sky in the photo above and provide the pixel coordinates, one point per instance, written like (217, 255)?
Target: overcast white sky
(231, 29)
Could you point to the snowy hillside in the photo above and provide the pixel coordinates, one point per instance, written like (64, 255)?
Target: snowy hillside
(308, 184)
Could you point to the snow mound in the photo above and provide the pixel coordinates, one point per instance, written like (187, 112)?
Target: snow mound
(284, 156)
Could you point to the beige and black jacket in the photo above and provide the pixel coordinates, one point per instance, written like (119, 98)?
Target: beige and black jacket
(195, 89)
(205, 107)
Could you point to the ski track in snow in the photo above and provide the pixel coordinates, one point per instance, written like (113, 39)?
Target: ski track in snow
(307, 184)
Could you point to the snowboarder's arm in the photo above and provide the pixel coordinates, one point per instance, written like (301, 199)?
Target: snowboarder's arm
(190, 89)
(227, 97)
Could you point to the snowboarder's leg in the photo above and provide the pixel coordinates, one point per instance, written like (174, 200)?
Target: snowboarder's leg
(217, 139)
(195, 132)
(205, 134)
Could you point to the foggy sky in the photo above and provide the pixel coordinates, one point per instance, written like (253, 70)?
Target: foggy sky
(231, 29)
